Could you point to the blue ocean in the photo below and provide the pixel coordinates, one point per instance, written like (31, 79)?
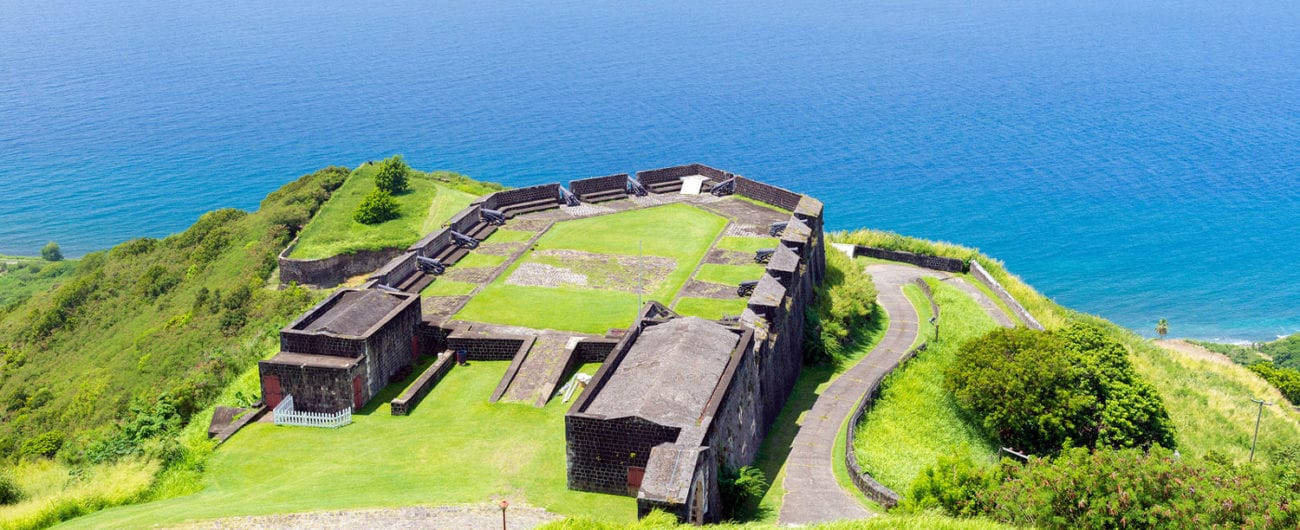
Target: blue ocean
(1133, 159)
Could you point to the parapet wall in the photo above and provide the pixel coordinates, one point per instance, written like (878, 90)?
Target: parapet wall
(779, 197)
(504, 199)
(651, 177)
(983, 275)
(331, 271)
(598, 184)
(920, 260)
(487, 346)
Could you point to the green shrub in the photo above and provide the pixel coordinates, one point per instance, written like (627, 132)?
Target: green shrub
(1040, 392)
(843, 304)
(156, 281)
(377, 206)
(741, 489)
(392, 176)
(10, 493)
(51, 252)
(42, 445)
(952, 484)
(1284, 379)
(134, 247)
(67, 299)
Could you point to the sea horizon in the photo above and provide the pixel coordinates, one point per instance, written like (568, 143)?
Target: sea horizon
(1136, 162)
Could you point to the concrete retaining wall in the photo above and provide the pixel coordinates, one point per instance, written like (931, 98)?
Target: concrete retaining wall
(983, 275)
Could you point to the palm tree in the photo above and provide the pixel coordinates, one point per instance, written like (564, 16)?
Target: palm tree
(1162, 327)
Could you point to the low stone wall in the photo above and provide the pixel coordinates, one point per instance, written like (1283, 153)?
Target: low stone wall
(486, 346)
(651, 177)
(594, 350)
(504, 199)
(331, 271)
(402, 405)
(396, 270)
(983, 275)
(588, 186)
(767, 193)
(465, 220)
(920, 260)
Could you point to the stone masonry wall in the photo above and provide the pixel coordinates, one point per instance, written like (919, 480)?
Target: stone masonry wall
(737, 427)
(485, 347)
(920, 260)
(331, 271)
(391, 348)
(600, 451)
(502, 199)
(779, 197)
(314, 389)
(598, 184)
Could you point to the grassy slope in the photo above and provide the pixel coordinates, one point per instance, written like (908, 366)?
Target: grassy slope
(747, 244)
(1209, 403)
(729, 274)
(915, 419)
(424, 207)
(22, 278)
(678, 231)
(455, 447)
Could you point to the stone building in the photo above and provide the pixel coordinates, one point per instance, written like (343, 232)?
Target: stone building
(344, 350)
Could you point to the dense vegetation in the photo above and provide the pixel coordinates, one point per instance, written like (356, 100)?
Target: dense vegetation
(1041, 391)
(51, 252)
(1113, 488)
(20, 278)
(1278, 362)
(136, 340)
(844, 302)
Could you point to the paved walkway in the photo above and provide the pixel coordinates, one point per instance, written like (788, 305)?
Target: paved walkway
(812, 495)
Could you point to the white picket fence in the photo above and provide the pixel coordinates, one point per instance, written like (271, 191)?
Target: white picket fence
(285, 415)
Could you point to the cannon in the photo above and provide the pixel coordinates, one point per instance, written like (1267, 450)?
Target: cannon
(430, 265)
(568, 198)
(763, 255)
(746, 288)
(492, 217)
(463, 240)
(726, 187)
(635, 188)
(387, 288)
(776, 228)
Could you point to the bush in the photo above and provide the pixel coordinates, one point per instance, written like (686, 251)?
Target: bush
(1284, 379)
(1043, 391)
(741, 490)
(843, 304)
(952, 484)
(156, 281)
(377, 206)
(392, 175)
(51, 252)
(43, 445)
(10, 493)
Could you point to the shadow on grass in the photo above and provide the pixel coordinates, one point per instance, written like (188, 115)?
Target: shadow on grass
(396, 388)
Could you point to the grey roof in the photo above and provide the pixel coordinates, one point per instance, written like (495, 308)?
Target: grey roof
(354, 313)
(808, 206)
(784, 260)
(668, 472)
(769, 292)
(669, 373)
(304, 360)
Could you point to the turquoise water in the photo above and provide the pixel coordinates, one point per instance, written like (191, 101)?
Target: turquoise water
(1136, 160)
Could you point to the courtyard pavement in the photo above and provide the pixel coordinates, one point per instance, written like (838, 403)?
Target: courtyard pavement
(812, 495)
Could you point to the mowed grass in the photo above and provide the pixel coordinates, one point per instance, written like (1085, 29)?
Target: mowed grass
(479, 259)
(710, 308)
(729, 274)
(506, 235)
(915, 419)
(441, 287)
(454, 448)
(333, 231)
(747, 244)
(681, 232)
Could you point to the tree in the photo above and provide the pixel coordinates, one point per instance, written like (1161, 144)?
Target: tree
(377, 206)
(51, 252)
(1162, 327)
(392, 175)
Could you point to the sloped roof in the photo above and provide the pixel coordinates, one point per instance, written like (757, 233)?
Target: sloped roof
(769, 292)
(669, 373)
(784, 260)
(796, 230)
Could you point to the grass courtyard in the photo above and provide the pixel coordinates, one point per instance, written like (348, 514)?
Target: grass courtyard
(654, 249)
(454, 448)
(424, 207)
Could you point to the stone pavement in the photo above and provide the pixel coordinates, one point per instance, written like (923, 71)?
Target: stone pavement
(812, 495)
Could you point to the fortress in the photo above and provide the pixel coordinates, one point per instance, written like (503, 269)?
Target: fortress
(676, 399)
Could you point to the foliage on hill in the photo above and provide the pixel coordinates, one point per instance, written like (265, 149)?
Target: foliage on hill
(20, 279)
(1113, 488)
(139, 337)
(844, 302)
(1286, 380)
(392, 175)
(1284, 352)
(376, 207)
(1042, 391)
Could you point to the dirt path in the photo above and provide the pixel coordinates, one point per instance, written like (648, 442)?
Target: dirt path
(476, 516)
(1193, 351)
(812, 495)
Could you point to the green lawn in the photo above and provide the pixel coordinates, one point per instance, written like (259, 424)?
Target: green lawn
(479, 259)
(729, 274)
(747, 244)
(441, 287)
(710, 308)
(454, 448)
(681, 232)
(915, 419)
(505, 235)
(424, 207)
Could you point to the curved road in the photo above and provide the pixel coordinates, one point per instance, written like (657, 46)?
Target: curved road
(812, 495)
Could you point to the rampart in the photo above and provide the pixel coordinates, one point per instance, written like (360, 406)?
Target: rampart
(920, 260)
(981, 274)
(331, 271)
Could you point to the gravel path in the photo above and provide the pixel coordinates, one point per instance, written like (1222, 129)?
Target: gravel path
(812, 495)
(477, 516)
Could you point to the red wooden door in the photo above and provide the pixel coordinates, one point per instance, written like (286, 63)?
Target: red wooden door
(415, 348)
(271, 392)
(634, 477)
(356, 393)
